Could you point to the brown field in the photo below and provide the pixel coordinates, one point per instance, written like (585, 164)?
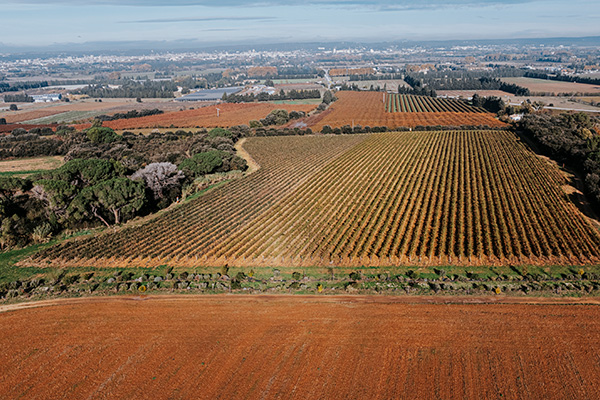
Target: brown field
(40, 110)
(367, 109)
(351, 71)
(230, 114)
(10, 127)
(107, 106)
(539, 86)
(31, 164)
(304, 347)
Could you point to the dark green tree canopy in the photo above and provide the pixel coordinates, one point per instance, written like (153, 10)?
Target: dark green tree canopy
(202, 163)
(81, 173)
(220, 132)
(101, 134)
(113, 200)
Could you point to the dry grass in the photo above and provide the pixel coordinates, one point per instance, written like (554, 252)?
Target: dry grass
(25, 165)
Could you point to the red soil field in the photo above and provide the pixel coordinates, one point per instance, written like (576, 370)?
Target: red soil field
(9, 127)
(230, 114)
(367, 109)
(300, 347)
(38, 110)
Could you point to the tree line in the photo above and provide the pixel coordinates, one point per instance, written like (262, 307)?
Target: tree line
(131, 89)
(563, 78)
(571, 139)
(464, 83)
(282, 95)
(130, 114)
(19, 86)
(372, 77)
(18, 98)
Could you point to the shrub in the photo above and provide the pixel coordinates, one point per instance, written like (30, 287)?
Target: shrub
(220, 132)
(101, 134)
(355, 276)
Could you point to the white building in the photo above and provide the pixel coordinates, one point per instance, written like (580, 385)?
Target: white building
(46, 98)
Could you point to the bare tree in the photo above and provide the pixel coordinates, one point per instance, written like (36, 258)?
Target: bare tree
(159, 177)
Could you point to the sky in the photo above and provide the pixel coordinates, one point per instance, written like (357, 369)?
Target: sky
(51, 22)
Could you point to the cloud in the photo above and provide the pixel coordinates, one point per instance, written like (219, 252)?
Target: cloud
(197, 19)
(383, 5)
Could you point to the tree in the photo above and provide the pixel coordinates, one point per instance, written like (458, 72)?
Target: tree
(202, 163)
(56, 194)
(13, 107)
(326, 129)
(220, 132)
(101, 134)
(276, 117)
(114, 199)
(328, 97)
(80, 173)
(159, 177)
(2, 121)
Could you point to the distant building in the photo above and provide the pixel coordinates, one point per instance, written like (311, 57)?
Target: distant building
(46, 98)
(209, 94)
(258, 89)
(516, 117)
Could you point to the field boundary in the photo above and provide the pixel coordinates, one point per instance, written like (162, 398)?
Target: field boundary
(342, 298)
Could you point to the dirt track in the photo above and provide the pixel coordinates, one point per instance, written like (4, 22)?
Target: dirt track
(300, 347)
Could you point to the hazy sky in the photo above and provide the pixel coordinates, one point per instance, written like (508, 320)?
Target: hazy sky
(43, 22)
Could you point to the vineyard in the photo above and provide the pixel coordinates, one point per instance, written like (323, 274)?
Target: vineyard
(419, 104)
(410, 198)
(371, 109)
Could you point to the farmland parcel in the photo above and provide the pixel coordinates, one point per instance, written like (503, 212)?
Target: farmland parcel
(410, 198)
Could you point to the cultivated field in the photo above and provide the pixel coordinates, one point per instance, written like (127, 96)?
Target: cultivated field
(10, 127)
(550, 87)
(230, 114)
(272, 347)
(410, 198)
(368, 109)
(404, 103)
(41, 110)
(351, 71)
(42, 113)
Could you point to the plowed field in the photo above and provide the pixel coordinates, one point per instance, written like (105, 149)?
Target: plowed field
(367, 109)
(551, 87)
(272, 347)
(206, 117)
(10, 127)
(37, 110)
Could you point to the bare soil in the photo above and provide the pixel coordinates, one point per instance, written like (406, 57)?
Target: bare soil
(553, 87)
(300, 347)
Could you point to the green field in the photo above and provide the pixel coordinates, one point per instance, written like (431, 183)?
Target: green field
(66, 117)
